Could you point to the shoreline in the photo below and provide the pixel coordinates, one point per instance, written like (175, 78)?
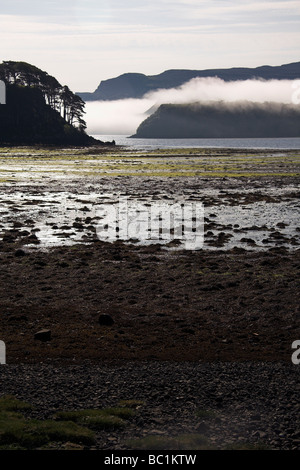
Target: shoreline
(206, 330)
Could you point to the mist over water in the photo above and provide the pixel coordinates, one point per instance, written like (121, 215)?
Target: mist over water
(115, 117)
(122, 117)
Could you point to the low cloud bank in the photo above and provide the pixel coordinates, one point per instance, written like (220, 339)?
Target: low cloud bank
(124, 116)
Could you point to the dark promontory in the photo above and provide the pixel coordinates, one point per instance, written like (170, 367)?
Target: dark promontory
(222, 120)
(38, 110)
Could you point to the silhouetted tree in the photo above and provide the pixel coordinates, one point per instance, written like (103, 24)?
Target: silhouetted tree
(58, 97)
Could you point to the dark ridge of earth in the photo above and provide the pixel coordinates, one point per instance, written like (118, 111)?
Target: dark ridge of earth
(176, 306)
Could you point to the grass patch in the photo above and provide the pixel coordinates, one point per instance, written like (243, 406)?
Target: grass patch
(71, 429)
(17, 432)
(10, 403)
(204, 414)
(120, 412)
(107, 418)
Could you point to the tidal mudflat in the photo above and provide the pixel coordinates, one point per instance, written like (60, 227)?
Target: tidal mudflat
(55, 197)
(158, 306)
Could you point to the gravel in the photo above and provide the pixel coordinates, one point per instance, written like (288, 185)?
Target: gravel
(253, 403)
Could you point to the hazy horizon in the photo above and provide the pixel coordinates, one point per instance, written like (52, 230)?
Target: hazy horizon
(84, 42)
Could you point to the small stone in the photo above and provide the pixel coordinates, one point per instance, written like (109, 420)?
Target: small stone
(20, 252)
(189, 331)
(106, 320)
(43, 335)
(202, 428)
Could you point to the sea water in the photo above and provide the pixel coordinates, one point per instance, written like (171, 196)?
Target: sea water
(154, 144)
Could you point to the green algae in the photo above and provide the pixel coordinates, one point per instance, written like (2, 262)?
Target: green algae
(171, 163)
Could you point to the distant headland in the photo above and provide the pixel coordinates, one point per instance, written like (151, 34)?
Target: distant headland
(222, 120)
(136, 85)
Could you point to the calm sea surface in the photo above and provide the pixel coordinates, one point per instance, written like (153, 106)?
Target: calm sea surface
(152, 144)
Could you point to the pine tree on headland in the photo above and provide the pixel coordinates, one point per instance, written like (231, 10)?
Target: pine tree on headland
(58, 97)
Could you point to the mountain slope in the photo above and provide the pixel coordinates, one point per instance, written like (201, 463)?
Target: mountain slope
(136, 85)
(222, 120)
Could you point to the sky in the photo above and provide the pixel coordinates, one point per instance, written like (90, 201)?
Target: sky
(82, 42)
